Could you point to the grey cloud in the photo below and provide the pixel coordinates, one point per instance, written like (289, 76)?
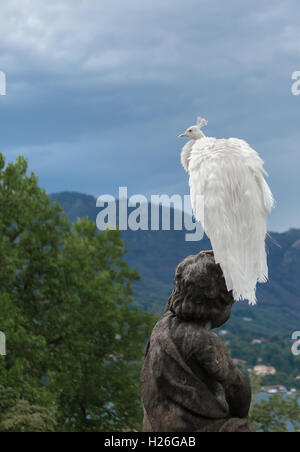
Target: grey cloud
(99, 90)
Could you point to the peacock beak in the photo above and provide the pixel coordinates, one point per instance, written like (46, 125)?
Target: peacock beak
(182, 135)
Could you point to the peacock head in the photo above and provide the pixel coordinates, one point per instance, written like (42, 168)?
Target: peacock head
(195, 132)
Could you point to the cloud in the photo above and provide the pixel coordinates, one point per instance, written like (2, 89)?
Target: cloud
(98, 90)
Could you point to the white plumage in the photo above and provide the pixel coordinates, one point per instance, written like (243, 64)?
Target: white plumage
(231, 199)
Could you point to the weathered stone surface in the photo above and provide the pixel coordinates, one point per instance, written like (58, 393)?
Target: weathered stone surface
(189, 382)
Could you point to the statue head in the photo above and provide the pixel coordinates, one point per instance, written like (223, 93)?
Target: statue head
(200, 294)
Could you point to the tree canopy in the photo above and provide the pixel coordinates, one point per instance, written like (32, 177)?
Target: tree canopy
(74, 338)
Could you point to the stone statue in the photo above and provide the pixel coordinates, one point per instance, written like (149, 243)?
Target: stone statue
(189, 382)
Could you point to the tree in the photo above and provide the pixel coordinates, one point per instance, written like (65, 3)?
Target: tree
(22, 204)
(24, 417)
(74, 340)
(96, 331)
(276, 414)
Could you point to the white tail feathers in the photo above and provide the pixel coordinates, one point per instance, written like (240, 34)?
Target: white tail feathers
(227, 177)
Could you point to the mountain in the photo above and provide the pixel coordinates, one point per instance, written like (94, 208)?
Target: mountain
(155, 254)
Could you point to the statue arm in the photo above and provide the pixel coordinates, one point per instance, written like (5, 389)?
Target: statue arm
(215, 360)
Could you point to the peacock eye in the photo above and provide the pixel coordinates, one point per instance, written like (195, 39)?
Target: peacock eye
(190, 130)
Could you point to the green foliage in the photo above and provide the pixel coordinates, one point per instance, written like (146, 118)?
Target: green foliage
(74, 340)
(276, 414)
(23, 418)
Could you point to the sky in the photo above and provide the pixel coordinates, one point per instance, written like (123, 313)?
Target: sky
(99, 90)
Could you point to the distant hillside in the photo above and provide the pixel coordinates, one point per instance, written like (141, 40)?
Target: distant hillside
(156, 254)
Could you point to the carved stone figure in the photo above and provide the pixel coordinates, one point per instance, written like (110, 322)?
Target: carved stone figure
(189, 382)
